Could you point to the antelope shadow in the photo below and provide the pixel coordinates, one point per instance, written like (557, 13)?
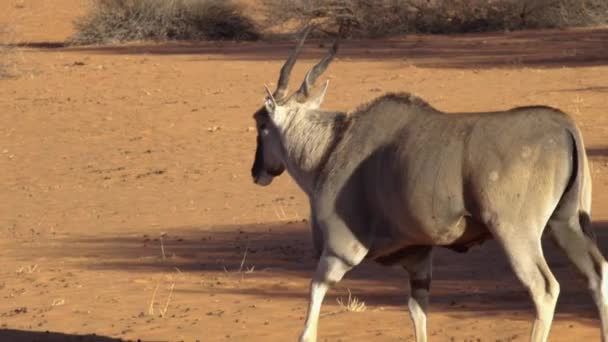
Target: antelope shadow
(14, 335)
(479, 280)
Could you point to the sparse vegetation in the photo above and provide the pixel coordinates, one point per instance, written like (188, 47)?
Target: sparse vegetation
(243, 269)
(131, 20)
(352, 304)
(161, 312)
(5, 53)
(385, 17)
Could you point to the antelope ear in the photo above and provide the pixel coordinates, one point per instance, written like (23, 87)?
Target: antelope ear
(269, 102)
(315, 101)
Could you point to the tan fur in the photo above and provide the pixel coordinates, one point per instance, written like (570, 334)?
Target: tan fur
(306, 137)
(397, 177)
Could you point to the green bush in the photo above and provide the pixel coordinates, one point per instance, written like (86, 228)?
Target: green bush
(129, 20)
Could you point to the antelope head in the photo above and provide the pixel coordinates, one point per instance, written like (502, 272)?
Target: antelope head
(278, 107)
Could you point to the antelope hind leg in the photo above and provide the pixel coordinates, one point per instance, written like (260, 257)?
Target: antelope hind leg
(528, 262)
(419, 267)
(585, 255)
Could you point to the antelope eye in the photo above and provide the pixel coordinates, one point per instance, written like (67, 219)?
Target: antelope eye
(263, 130)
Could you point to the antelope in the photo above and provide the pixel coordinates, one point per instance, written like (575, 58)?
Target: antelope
(396, 177)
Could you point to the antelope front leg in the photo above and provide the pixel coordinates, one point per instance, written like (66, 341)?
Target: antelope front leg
(330, 270)
(317, 234)
(419, 267)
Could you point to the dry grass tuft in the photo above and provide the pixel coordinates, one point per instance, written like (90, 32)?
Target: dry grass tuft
(112, 21)
(164, 310)
(58, 302)
(152, 300)
(162, 246)
(242, 268)
(27, 269)
(168, 279)
(161, 312)
(352, 304)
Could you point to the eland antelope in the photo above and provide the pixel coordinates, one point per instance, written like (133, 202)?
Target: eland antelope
(397, 177)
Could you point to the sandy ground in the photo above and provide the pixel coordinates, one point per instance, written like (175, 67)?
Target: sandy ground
(127, 210)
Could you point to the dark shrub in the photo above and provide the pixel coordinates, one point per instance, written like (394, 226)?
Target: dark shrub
(374, 18)
(129, 20)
